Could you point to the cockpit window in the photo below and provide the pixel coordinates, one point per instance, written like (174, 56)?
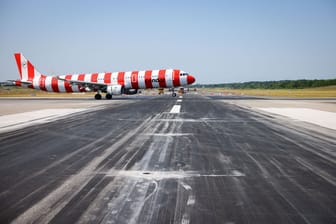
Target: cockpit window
(183, 74)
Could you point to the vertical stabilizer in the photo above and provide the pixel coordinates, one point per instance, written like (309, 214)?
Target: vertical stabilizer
(26, 69)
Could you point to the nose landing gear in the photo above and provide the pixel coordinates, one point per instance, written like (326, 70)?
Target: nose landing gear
(173, 92)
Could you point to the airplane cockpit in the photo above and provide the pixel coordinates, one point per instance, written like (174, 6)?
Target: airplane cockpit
(186, 76)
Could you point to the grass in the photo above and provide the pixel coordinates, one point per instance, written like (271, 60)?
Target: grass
(329, 91)
(26, 92)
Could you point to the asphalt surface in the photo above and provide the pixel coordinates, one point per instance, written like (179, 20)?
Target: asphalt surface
(214, 162)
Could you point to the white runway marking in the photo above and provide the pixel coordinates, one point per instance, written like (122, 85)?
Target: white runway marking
(322, 118)
(180, 97)
(168, 134)
(21, 120)
(176, 109)
(191, 200)
(179, 100)
(160, 175)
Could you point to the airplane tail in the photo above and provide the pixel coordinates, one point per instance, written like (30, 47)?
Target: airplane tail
(26, 69)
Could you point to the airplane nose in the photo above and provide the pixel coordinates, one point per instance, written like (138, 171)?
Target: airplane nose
(190, 79)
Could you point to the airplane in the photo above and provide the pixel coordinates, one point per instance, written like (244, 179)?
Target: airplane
(111, 83)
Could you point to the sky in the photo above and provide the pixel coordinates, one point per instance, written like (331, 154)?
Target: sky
(220, 41)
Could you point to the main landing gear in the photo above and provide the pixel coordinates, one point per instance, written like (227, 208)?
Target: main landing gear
(108, 96)
(98, 96)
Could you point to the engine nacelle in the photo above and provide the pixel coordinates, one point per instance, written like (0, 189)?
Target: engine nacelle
(114, 90)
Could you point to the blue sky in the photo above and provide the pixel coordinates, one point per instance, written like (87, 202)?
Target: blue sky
(216, 41)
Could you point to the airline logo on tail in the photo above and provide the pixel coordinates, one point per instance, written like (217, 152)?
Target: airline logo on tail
(111, 83)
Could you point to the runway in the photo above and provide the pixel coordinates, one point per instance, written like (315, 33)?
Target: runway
(194, 159)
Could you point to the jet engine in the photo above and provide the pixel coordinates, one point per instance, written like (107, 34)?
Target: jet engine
(114, 90)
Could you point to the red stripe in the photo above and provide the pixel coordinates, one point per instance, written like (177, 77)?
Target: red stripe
(31, 72)
(67, 86)
(135, 80)
(18, 83)
(81, 77)
(54, 84)
(162, 78)
(42, 83)
(18, 62)
(94, 77)
(148, 79)
(176, 78)
(107, 77)
(121, 78)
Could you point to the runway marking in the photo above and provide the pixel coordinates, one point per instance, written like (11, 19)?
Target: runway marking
(191, 200)
(244, 121)
(161, 175)
(176, 109)
(185, 219)
(179, 101)
(168, 134)
(180, 97)
(186, 186)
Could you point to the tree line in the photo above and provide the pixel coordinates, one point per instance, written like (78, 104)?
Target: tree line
(282, 84)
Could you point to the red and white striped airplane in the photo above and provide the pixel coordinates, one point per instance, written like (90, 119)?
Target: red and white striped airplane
(111, 83)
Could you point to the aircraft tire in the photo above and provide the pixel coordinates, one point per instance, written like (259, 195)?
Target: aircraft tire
(174, 95)
(98, 96)
(108, 96)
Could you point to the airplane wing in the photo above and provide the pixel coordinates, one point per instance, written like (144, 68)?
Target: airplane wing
(21, 81)
(91, 85)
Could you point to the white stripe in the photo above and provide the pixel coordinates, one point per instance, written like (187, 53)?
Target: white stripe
(127, 79)
(24, 67)
(48, 84)
(36, 83)
(114, 78)
(183, 80)
(169, 78)
(74, 77)
(168, 134)
(141, 79)
(176, 109)
(101, 77)
(61, 87)
(87, 77)
(74, 87)
(179, 100)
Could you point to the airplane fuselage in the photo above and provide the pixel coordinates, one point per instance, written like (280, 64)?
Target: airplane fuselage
(111, 83)
(165, 78)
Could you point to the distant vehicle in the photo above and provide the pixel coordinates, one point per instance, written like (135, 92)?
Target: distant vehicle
(161, 91)
(111, 83)
(181, 90)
